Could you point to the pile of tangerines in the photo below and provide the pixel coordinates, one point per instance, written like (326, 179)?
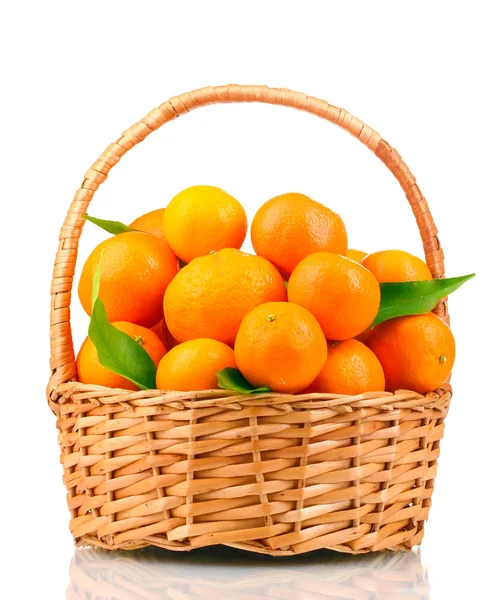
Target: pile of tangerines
(294, 317)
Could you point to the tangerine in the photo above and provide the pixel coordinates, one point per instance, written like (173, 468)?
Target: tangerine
(351, 368)
(342, 295)
(90, 370)
(396, 265)
(281, 346)
(136, 269)
(151, 222)
(210, 296)
(416, 352)
(194, 365)
(356, 255)
(202, 219)
(289, 227)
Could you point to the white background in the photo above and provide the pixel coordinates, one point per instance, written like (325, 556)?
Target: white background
(75, 74)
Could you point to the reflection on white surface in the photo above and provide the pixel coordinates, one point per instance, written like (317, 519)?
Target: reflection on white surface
(221, 573)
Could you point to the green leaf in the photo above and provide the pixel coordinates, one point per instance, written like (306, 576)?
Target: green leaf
(95, 290)
(414, 297)
(118, 351)
(232, 379)
(113, 227)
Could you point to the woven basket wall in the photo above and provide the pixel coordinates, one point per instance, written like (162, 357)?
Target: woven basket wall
(273, 473)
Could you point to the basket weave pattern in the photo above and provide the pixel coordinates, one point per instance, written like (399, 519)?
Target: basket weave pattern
(275, 473)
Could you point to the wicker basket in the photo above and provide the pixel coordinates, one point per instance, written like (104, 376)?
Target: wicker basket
(275, 474)
(99, 575)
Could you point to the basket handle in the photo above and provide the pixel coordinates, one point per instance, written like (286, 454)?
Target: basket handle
(62, 361)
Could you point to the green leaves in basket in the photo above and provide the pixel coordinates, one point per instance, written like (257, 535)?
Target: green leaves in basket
(414, 297)
(113, 227)
(118, 351)
(232, 379)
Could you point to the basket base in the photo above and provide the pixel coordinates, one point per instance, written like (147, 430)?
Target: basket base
(258, 548)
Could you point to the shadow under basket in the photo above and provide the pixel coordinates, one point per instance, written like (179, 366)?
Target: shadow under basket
(271, 473)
